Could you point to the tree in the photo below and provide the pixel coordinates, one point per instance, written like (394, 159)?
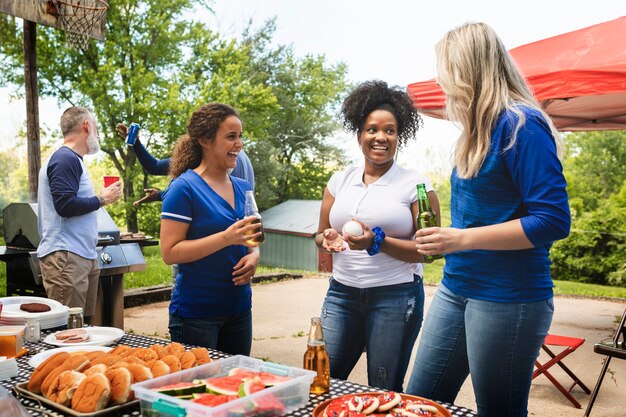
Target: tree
(595, 167)
(147, 71)
(595, 251)
(308, 92)
(157, 66)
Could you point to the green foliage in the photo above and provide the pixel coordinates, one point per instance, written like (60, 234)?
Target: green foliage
(158, 65)
(595, 251)
(595, 167)
(157, 272)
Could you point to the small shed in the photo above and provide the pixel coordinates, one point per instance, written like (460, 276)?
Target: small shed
(290, 229)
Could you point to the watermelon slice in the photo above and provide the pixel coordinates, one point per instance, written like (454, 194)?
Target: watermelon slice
(271, 379)
(225, 385)
(182, 388)
(268, 405)
(213, 400)
(250, 386)
(243, 373)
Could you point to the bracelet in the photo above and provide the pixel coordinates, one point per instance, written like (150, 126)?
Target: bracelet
(379, 236)
(102, 201)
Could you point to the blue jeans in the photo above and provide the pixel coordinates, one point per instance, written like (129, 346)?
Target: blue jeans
(384, 321)
(495, 343)
(229, 334)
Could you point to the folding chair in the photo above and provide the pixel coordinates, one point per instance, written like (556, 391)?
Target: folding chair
(614, 349)
(570, 344)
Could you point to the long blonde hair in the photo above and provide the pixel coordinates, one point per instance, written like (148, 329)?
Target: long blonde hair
(481, 80)
(203, 125)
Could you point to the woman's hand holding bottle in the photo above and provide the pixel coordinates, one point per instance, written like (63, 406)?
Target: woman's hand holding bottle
(246, 231)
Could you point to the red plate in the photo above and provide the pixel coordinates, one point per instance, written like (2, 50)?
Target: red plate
(321, 407)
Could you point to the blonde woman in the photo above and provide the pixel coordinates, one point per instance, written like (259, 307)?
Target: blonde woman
(494, 306)
(203, 230)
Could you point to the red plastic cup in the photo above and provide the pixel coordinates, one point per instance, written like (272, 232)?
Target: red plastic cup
(110, 179)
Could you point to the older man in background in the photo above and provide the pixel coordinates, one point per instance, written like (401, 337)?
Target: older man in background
(67, 218)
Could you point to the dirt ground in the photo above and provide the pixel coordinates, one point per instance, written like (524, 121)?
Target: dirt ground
(282, 313)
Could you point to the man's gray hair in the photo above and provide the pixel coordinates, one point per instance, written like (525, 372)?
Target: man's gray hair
(73, 118)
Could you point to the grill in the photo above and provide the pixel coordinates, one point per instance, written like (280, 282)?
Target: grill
(115, 259)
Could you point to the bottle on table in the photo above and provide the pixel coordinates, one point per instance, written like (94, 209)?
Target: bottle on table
(75, 319)
(316, 358)
(250, 209)
(426, 217)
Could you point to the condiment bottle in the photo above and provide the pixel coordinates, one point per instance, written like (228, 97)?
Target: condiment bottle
(316, 358)
(75, 319)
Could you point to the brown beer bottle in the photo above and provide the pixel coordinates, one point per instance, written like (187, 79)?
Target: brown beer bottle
(316, 358)
(426, 217)
(250, 209)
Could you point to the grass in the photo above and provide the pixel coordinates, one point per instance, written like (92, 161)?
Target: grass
(434, 272)
(158, 273)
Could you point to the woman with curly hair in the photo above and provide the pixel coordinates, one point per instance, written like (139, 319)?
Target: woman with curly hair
(204, 231)
(375, 300)
(494, 306)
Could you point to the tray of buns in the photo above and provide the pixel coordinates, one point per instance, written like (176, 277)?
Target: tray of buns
(96, 382)
(22, 389)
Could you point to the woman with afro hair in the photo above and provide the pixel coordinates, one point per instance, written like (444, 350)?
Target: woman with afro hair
(375, 300)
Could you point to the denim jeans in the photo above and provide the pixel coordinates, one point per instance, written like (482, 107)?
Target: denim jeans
(495, 343)
(384, 321)
(229, 334)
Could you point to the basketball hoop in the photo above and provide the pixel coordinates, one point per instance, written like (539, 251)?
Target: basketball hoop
(77, 18)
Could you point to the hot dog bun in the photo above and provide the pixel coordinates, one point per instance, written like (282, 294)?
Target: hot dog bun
(92, 394)
(120, 380)
(43, 370)
(63, 387)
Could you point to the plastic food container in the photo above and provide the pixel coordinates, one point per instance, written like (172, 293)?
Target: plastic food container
(284, 397)
(11, 338)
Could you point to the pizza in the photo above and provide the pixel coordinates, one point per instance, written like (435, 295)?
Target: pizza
(385, 404)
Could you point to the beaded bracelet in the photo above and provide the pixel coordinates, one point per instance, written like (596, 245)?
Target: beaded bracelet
(379, 236)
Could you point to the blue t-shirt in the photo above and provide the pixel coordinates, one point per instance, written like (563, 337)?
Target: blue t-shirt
(525, 182)
(204, 288)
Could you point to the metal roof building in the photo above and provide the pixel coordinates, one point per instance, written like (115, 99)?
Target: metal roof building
(290, 229)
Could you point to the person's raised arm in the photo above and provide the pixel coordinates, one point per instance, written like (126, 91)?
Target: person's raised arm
(149, 163)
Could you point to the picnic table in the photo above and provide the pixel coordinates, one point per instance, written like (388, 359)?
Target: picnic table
(337, 387)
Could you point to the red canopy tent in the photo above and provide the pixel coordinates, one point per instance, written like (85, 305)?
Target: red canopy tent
(579, 78)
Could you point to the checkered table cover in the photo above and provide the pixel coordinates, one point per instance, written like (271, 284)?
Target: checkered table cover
(337, 387)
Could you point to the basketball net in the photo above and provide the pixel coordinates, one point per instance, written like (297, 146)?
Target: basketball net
(78, 18)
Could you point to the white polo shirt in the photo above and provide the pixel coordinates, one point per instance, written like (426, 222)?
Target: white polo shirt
(385, 203)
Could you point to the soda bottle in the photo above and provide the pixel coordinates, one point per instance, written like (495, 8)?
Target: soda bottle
(316, 358)
(426, 217)
(250, 209)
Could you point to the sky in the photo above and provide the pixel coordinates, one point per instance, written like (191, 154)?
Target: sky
(390, 40)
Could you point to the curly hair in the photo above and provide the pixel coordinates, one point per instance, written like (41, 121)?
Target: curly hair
(376, 95)
(203, 126)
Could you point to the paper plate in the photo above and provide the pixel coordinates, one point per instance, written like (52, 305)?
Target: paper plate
(99, 336)
(12, 315)
(318, 411)
(37, 359)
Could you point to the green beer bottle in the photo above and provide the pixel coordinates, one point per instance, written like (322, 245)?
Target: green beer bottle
(426, 217)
